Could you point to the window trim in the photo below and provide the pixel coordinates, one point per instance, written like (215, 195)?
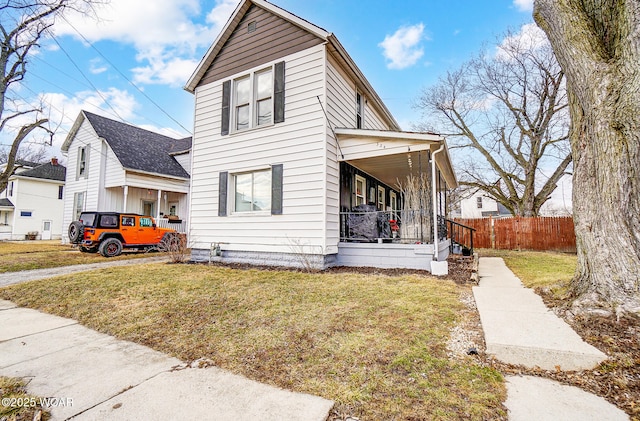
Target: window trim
(363, 194)
(381, 205)
(78, 208)
(82, 162)
(359, 110)
(253, 100)
(232, 192)
(23, 213)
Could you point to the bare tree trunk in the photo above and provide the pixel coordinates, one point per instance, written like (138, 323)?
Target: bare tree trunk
(597, 44)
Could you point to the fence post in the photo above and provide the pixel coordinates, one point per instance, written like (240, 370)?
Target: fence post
(492, 233)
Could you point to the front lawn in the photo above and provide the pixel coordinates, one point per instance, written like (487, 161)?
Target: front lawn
(27, 255)
(537, 269)
(375, 344)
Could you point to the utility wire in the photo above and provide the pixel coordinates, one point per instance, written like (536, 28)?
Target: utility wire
(84, 76)
(125, 77)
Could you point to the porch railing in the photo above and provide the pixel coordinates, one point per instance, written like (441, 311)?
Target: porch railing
(406, 226)
(178, 225)
(461, 237)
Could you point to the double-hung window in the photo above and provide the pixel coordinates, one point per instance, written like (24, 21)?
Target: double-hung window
(359, 111)
(253, 102)
(83, 159)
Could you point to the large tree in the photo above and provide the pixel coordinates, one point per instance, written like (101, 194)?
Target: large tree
(597, 43)
(507, 111)
(23, 23)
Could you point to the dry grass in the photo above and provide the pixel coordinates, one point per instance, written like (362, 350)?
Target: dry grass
(22, 406)
(374, 344)
(26, 255)
(537, 269)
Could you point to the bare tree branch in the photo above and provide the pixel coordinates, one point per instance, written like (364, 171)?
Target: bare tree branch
(508, 111)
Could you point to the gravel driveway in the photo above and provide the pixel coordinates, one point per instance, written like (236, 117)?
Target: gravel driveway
(11, 278)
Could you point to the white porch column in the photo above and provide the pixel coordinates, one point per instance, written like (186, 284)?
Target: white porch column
(124, 203)
(159, 203)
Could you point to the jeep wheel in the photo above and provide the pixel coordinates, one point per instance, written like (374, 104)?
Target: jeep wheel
(110, 247)
(76, 232)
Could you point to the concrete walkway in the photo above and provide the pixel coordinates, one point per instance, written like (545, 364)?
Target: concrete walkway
(92, 376)
(520, 329)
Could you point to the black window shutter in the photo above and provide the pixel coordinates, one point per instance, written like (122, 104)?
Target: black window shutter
(278, 93)
(222, 194)
(276, 189)
(226, 101)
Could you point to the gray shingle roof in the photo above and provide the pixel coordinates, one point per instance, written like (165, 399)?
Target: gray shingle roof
(139, 149)
(6, 203)
(46, 171)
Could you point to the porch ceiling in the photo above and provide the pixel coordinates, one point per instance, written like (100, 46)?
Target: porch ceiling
(390, 156)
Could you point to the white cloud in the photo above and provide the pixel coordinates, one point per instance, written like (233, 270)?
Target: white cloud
(402, 49)
(530, 37)
(523, 5)
(163, 32)
(164, 69)
(96, 66)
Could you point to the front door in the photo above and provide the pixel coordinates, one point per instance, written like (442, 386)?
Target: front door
(148, 208)
(46, 230)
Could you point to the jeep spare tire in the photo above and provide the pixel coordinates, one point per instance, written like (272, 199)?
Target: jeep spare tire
(76, 232)
(110, 247)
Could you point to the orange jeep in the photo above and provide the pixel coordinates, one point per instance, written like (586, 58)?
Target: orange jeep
(109, 232)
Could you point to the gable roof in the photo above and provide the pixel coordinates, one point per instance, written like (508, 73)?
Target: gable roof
(46, 171)
(5, 203)
(137, 149)
(333, 45)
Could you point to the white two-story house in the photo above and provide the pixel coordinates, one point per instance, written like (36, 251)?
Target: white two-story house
(31, 206)
(296, 160)
(117, 167)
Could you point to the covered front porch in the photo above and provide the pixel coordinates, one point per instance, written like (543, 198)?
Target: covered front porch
(393, 198)
(168, 205)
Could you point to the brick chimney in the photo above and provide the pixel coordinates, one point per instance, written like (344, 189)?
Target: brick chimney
(54, 161)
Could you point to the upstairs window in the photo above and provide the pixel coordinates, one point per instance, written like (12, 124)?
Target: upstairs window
(60, 192)
(359, 111)
(253, 100)
(11, 189)
(83, 158)
(479, 202)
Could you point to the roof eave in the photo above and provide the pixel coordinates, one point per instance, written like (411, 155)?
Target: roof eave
(353, 67)
(156, 174)
(229, 27)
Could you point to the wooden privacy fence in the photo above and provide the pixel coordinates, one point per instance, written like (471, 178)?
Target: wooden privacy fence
(518, 233)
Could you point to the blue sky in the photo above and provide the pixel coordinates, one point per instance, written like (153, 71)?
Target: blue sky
(401, 46)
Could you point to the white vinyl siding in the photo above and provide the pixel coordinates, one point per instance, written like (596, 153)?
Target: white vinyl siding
(299, 144)
(95, 174)
(35, 201)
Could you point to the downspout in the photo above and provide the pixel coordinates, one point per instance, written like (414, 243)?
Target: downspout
(433, 201)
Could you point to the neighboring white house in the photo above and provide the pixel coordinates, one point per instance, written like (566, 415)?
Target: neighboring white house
(113, 166)
(476, 204)
(291, 143)
(32, 204)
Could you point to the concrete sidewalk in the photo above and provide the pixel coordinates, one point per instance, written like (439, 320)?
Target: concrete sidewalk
(520, 329)
(92, 376)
